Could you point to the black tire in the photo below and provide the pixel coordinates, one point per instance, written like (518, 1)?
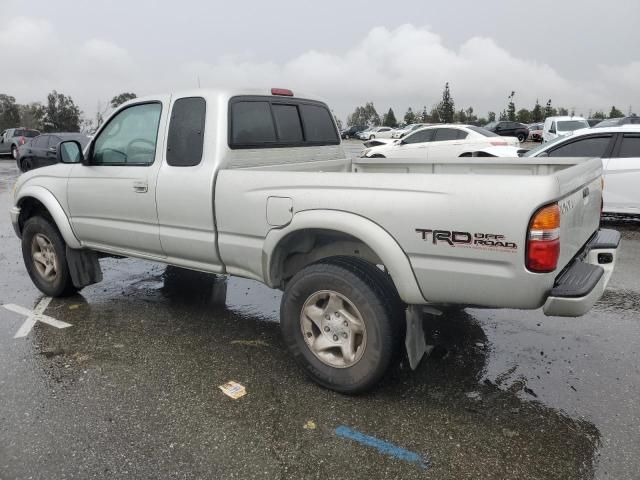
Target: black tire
(377, 155)
(521, 137)
(14, 152)
(60, 285)
(371, 137)
(371, 291)
(346, 137)
(26, 165)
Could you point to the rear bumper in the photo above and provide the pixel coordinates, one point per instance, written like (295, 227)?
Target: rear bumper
(582, 284)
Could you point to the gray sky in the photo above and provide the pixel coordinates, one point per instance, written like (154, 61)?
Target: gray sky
(581, 54)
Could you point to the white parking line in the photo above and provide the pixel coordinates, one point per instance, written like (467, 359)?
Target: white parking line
(33, 316)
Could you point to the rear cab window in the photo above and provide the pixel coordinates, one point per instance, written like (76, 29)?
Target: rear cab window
(186, 132)
(276, 122)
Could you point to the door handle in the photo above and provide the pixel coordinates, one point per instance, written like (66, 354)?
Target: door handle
(140, 187)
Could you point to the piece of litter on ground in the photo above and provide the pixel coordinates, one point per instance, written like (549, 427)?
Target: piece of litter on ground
(74, 307)
(473, 395)
(509, 433)
(310, 425)
(233, 389)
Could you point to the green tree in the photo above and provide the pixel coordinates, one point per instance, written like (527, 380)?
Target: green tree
(460, 116)
(366, 115)
(121, 98)
(9, 112)
(61, 114)
(511, 108)
(32, 115)
(434, 115)
(491, 116)
(615, 113)
(424, 118)
(410, 117)
(471, 117)
(524, 116)
(446, 108)
(549, 111)
(503, 116)
(390, 119)
(482, 121)
(598, 114)
(537, 115)
(563, 111)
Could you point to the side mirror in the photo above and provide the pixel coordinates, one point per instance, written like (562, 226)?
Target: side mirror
(70, 152)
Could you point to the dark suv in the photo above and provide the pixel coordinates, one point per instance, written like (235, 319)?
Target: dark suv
(509, 129)
(351, 132)
(13, 138)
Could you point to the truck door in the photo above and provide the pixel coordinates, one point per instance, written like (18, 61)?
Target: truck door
(186, 185)
(112, 201)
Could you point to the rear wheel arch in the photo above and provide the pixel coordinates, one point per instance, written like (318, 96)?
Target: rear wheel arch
(315, 235)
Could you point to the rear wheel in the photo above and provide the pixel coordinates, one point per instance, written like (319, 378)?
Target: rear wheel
(44, 254)
(14, 152)
(522, 137)
(342, 320)
(371, 137)
(26, 165)
(377, 155)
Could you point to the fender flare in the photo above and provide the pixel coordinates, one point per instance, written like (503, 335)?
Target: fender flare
(54, 208)
(368, 232)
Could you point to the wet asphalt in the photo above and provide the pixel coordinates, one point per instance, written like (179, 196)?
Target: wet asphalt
(130, 390)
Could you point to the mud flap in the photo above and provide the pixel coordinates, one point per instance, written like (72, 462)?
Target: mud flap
(415, 341)
(84, 267)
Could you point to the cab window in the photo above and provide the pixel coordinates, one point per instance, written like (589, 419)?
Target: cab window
(130, 137)
(583, 147)
(420, 136)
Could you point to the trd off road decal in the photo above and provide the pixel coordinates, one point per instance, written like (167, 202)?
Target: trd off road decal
(483, 241)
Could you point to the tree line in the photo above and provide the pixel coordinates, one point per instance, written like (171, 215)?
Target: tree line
(58, 114)
(445, 112)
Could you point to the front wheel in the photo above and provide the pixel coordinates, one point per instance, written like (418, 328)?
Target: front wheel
(371, 137)
(14, 152)
(26, 165)
(44, 254)
(342, 321)
(521, 137)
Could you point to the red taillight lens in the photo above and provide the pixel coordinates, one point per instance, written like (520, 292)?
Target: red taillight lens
(21, 140)
(543, 244)
(282, 91)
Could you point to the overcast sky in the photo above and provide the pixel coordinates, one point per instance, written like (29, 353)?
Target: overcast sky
(582, 54)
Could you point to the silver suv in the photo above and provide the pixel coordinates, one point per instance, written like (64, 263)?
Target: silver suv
(13, 138)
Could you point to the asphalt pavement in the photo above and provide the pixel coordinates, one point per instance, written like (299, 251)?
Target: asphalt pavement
(131, 388)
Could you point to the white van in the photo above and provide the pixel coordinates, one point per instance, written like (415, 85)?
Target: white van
(555, 127)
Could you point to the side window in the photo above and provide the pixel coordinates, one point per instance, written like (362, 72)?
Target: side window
(41, 141)
(53, 141)
(288, 123)
(186, 132)
(462, 135)
(318, 124)
(130, 137)
(444, 134)
(552, 128)
(630, 147)
(420, 137)
(585, 147)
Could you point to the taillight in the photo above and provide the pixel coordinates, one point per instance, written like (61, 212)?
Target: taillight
(282, 91)
(21, 140)
(543, 245)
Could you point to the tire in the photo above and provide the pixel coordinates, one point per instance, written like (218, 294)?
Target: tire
(14, 152)
(371, 137)
(362, 292)
(26, 165)
(41, 236)
(346, 137)
(377, 155)
(521, 137)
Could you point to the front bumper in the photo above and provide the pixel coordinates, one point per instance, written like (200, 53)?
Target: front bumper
(14, 213)
(582, 284)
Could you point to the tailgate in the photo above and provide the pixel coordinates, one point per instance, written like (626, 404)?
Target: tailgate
(579, 208)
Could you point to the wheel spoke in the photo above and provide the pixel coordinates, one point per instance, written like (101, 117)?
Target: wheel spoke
(48, 270)
(39, 257)
(334, 304)
(348, 350)
(314, 313)
(322, 343)
(42, 242)
(355, 324)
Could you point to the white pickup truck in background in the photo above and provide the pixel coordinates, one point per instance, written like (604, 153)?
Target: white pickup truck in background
(256, 184)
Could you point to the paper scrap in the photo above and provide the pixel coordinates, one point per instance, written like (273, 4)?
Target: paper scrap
(233, 389)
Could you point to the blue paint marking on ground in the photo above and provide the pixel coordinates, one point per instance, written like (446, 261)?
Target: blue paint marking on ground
(382, 446)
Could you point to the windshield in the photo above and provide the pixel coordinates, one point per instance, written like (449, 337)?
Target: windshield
(490, 125)
(482, 131)
(543, 146)
(571, 125)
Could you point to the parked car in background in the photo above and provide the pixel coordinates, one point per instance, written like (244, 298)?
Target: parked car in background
(375, 132)
(352, 132)
(593, 121)
(535, 132)
(12, 138)
(614, 122)
(509, 129)
(619, 148)
(407, 129)
(41, 150)
(558, 126)
(441, 142)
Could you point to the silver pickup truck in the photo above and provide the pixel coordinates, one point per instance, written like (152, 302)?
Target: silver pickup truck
(256, 184)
